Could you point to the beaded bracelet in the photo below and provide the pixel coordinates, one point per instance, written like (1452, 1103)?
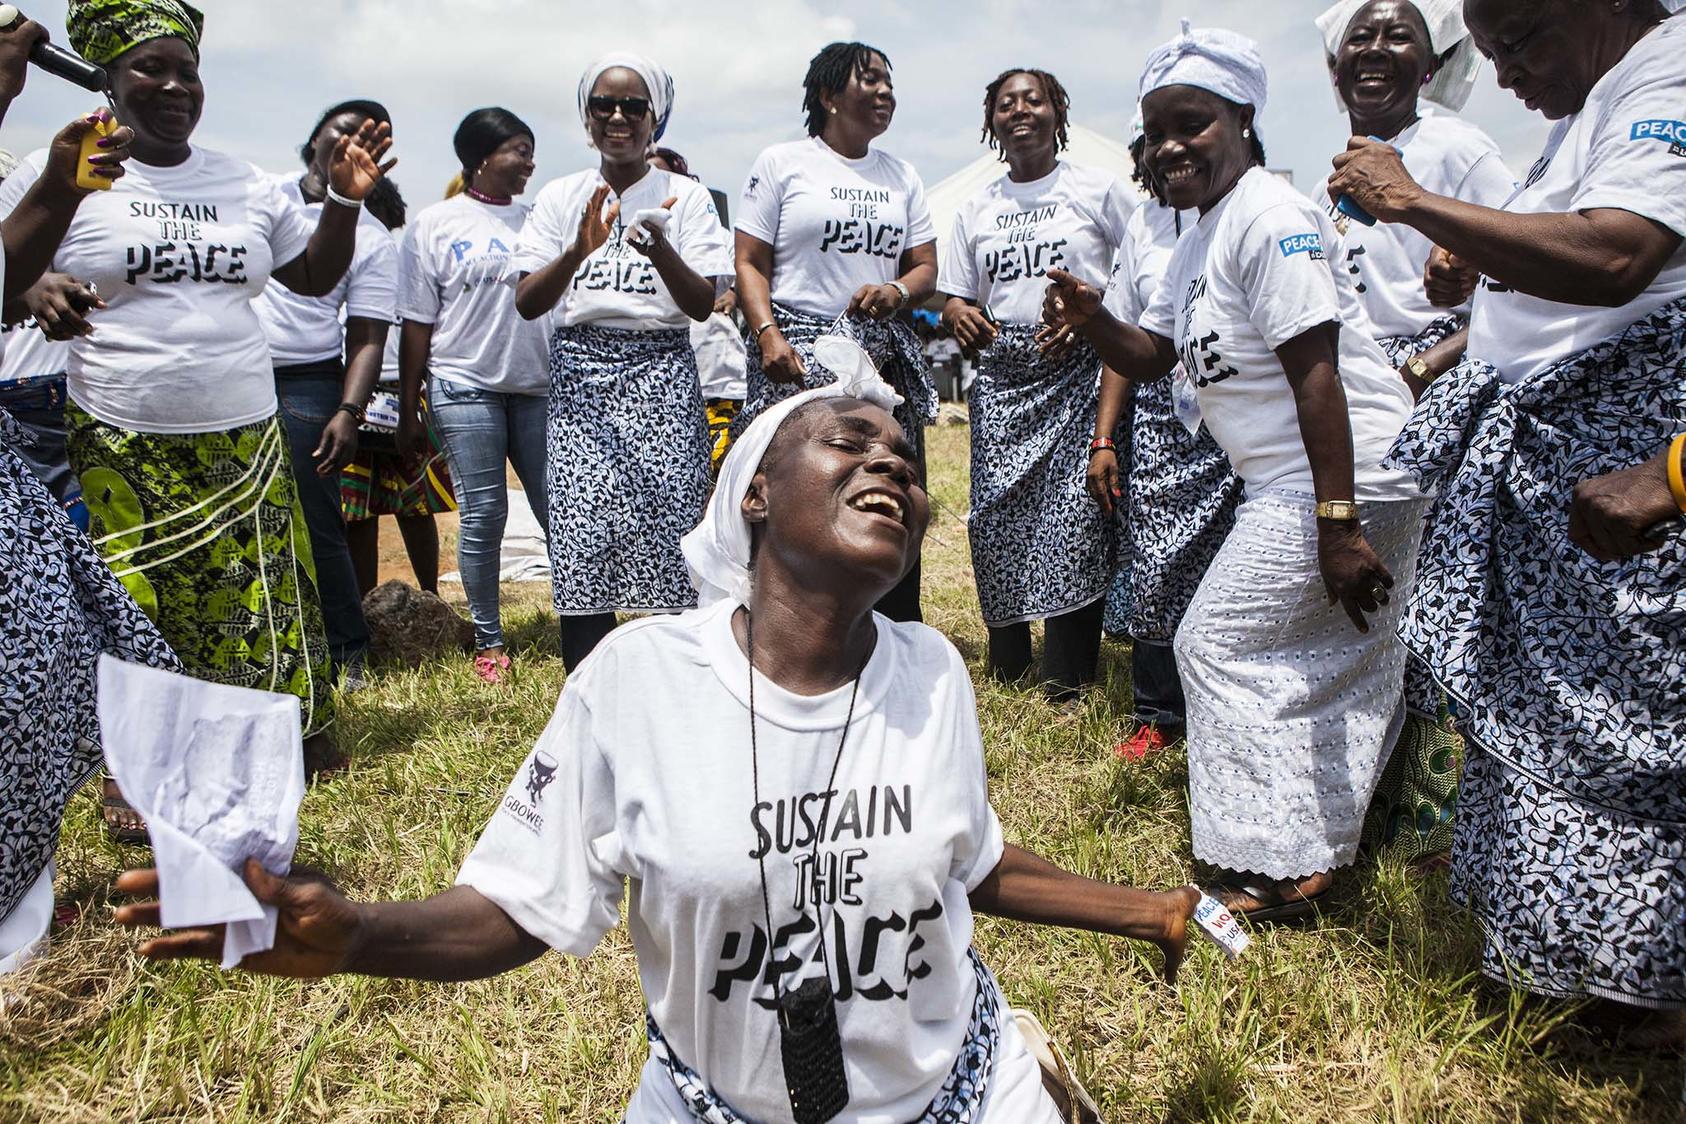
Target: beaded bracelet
(1677, 471)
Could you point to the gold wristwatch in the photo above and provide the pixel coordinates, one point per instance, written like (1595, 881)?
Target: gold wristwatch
(1419, 370)
(1343, 510)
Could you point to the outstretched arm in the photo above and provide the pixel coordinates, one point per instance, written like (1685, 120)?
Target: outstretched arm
(1137, 355)
(1026, 887)
(456, 935)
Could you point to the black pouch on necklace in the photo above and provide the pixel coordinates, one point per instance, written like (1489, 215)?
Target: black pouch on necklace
(812, 1051)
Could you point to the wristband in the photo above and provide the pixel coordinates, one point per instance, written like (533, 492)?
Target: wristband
(354, 410)
(759, 328)
(907, 297)
(1677, 471)
(336, 197)
(1344, 511)
(1100, 443)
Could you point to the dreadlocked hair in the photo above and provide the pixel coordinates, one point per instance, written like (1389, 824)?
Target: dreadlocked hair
(1140, 174)
(828, 72)
(386, 204)
(1051, 89)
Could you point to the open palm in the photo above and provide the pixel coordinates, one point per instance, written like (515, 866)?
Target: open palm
(357, 164)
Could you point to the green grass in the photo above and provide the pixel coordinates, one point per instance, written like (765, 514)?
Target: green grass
(1376, 1014)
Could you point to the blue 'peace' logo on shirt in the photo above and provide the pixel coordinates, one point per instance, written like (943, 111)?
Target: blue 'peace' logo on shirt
(1661, 129)
(1310, 244)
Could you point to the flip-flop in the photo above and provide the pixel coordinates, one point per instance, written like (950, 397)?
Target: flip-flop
(111, 802)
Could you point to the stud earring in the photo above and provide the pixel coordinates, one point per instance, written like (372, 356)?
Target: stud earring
(834, 111)
(1246, 134)
(1429, 77)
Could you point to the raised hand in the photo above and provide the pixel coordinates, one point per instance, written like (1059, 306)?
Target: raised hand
(15, 43)
(357, 163)
(596, 224)
(654, 240)
(1068, 302)
(316, 936)
(64, 155)
(60, 305)
(1374, 175)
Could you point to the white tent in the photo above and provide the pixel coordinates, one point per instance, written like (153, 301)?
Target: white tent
(1086, 147)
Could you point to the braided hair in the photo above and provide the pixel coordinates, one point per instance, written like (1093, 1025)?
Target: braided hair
(830, 71)
(1051, 89)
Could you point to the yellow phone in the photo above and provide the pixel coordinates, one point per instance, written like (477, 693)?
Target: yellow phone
(104, 125)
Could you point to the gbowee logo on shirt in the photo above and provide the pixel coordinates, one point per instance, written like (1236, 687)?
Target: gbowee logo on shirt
(1662, 129)
(541, 770)
(1311, 244)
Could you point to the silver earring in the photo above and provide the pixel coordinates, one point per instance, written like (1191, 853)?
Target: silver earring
(834, 111)
(1246, 134)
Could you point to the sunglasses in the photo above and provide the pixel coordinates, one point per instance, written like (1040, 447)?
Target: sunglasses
(602, 107)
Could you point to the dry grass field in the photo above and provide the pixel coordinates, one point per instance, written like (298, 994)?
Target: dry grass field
(1375, 1013)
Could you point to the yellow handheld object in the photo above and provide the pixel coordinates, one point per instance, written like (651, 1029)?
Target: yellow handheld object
(104, 125)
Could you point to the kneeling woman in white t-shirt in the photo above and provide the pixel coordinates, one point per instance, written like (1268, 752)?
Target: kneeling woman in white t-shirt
(1293, 699)
(628, 256)
(833, 876)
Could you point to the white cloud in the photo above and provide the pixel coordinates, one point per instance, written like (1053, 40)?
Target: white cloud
(270, 68)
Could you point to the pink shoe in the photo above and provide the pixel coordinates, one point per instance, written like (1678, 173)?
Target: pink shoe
(491, 668)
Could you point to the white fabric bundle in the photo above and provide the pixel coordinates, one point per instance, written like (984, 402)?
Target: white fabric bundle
(1453, 79)
(717, 550)
(1224, 62)
(656, 80)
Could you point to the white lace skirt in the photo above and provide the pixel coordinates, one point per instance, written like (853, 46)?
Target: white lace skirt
(1291, 710)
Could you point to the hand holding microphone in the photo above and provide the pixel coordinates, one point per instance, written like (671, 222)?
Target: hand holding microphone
(54, 60)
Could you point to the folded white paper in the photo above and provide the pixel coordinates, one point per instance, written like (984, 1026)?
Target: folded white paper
(218, 772)
(657, 217)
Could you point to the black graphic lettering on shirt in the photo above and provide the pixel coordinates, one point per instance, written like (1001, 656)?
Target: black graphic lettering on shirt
(888, 959)
(797, 820)
(168, 263)
(862, 236)
(1354, 267)
(617, 268)
(1024, 259)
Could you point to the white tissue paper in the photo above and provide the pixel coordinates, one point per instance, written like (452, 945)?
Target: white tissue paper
(657, 217)
(218, 772)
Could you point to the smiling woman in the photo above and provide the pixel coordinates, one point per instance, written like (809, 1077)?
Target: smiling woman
(1041, 549)
(626, 257)
(173, 405)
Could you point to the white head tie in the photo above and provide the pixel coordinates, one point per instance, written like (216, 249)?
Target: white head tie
(1453, 79)
(1224, 62)
(656, 80)
(717, 549)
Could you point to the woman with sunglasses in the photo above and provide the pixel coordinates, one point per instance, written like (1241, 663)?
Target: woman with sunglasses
(627, 256)
(831, 228)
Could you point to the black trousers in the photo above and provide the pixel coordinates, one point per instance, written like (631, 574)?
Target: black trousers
(1158, 686)
(1071, 649)
(581, 634)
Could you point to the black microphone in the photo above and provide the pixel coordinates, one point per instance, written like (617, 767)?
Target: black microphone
(68, 65)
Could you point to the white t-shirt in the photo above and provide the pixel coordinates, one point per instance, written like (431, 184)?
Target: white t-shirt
(618, 790)
(309, 329)
(722, 364)
(1150, 235)
(1625, 149)
(1252, 274)
(1006, 238)
(178, 254)
(835, 224)
(618, 287)
(1448, 156)
(29, 355)
(456, 272)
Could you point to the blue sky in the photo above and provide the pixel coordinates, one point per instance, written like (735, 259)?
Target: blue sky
(271, 67)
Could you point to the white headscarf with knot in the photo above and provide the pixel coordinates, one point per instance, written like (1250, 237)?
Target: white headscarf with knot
(717, 549)
(1453, 79)
(1224, 62)
(656, 80)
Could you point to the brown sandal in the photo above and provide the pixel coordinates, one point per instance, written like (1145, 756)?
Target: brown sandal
(122, 823)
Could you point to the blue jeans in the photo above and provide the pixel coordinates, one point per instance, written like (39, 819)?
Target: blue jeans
(309, 395)
(38, 406)
(481, 430)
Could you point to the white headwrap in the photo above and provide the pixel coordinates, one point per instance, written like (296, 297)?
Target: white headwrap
(717, 549)
(656, 80)
(1224, 62)
(1453, 80)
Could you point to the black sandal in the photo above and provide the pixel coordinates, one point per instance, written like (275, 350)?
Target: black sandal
(1275, 907)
